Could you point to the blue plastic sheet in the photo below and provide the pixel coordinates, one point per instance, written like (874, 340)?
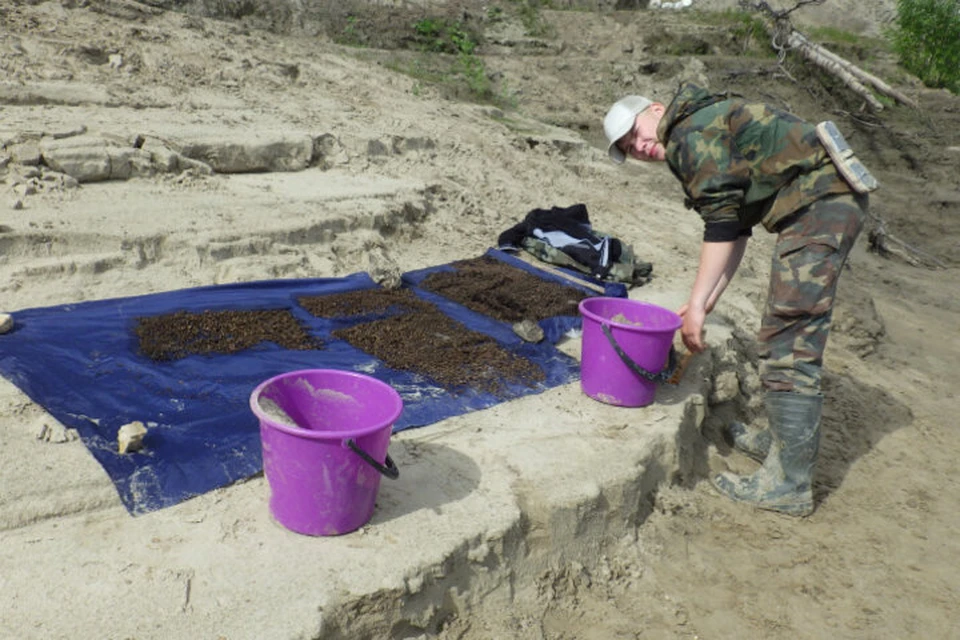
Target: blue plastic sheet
(81, 362)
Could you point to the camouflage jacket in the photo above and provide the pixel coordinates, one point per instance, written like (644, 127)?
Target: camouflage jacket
(742, 162)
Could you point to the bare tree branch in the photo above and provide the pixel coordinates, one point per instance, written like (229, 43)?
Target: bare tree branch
(764, 7)
(799, 41)
(784, 38)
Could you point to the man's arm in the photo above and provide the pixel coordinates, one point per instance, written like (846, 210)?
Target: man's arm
(733, 263)
(718, 263)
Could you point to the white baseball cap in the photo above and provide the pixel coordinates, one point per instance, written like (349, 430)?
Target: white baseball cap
(619, 121)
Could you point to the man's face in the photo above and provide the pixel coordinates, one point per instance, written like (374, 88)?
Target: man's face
(641, 141)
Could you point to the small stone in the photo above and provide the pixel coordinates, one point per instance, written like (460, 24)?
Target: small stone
(25, 189)
(6, 323)
(726, 387)
(130, 437)
(17, 204)
(528, 330)
(56, 433)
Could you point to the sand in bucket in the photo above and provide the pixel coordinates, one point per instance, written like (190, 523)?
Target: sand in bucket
(325, 435)
(643, 335)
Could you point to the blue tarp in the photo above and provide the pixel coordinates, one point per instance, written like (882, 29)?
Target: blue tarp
(81, 363)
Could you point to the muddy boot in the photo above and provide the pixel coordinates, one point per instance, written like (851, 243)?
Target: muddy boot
(784, 482)
(751, 442)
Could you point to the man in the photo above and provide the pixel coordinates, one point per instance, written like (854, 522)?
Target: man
(740, 164)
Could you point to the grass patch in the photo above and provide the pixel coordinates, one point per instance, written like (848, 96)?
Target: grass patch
(437, 48)
(926, 36)
(737, 32)
(530, 16)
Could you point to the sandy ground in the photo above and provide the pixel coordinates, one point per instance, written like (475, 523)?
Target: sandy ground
(876, 560)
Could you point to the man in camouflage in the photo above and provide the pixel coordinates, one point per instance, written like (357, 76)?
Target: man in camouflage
(742, 164)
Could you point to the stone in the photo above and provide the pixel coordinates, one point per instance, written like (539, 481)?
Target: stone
(130, 437)
(24, 189)
(6, 323)
(252, 154)
(162, 157)
(528, 330)
(26, 153)
(328, 152)
(726, 387)
(86, 158)
(56, 433)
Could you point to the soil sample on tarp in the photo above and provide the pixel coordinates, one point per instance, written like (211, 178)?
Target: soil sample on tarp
(503, 292)
(180, 334)
(359, 303)
(427, 342)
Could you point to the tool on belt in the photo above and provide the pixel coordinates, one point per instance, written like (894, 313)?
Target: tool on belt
(853, 171)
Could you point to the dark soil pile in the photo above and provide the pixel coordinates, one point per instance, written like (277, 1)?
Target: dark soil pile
(413, 335)
(359, 303)
(407, 334)
(503, 292)
(181, 334)
(429, 343)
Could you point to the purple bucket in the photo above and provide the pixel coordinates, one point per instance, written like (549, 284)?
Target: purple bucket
(625, 350)
(325, 435)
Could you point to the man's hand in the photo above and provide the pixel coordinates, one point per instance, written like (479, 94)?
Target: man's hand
(718, 263)
(692, 330)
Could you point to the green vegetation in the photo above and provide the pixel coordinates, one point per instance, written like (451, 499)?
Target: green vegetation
(926, 36)
(438, 35)
(832, 34)
(443, 36)
(744, 30)
(529, 13)
(749, 31)
(351, 33)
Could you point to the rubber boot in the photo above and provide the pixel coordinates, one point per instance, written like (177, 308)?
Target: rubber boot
(750, 442)
(785, 481)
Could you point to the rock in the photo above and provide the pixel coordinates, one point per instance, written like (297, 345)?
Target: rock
(130, 437)
(726, 387)
(85, 158)
(163, 158)
(24, 189)
(58, 93)
(17, 205)
(387, 277)
(94, 159)
(328, 152)
(528, 330)
(252, 154)
(6, 323)
(128, 163)
(56, 433)
(26, 153)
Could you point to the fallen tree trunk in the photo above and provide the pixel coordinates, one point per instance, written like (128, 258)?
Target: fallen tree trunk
(851, 75)
(785, 37)
(815, 54)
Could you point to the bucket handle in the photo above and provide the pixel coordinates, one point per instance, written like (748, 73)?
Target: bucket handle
(388, 470)
(663, 376)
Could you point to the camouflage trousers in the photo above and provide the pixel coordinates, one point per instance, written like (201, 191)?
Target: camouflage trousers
(810, 253)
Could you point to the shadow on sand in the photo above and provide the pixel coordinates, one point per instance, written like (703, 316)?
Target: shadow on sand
(855, 418)
(431, 475)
